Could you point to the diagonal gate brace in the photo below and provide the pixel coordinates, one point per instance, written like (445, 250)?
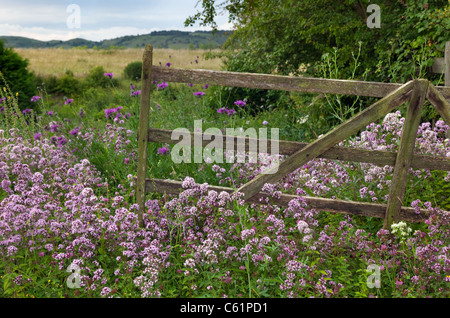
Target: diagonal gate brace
(404, 153)
(341, 132)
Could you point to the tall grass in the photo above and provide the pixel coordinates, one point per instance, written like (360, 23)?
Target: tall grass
(46, 62)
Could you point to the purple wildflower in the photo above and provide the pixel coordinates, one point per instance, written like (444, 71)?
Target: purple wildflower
(199, 93)
(240, 103)
(224, 110)
(35, 98)
(37, 136)
(168, 64)
(53, 128)
(163, 151)
(162, 86)
(110, 111)
(26, 111)
(68, 101)
(110, 75)
(75, 131)
(135, 93)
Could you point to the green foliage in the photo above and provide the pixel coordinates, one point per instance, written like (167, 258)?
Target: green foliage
(97, 78)
(330, 40)
(10, 113)
(68, 84)
(288, 36)
(16, 75)
(49, 83)
(133, 71)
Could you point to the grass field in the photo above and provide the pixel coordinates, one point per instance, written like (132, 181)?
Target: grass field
(81, 61)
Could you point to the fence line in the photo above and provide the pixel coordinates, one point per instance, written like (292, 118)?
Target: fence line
(280, 82)
(393, 95)
(173, 187)
(341, 153)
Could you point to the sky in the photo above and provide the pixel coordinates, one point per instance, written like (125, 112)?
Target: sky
(97, 20)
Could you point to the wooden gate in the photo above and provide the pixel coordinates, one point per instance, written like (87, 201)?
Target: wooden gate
(392, 96)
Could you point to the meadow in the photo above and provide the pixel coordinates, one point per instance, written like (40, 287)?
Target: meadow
(80, 60)
(68, 217)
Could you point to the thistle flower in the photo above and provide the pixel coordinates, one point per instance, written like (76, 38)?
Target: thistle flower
(240, 103)
(163, 151)
(162, 86)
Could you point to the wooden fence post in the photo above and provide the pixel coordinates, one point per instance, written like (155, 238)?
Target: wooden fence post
(144, 116)
(404, 153)
(447, 63)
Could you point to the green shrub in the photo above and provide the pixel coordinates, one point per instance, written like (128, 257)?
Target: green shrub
(68, 84)
(48, 83)
(17, 77)
(133, 71)
(97, 78)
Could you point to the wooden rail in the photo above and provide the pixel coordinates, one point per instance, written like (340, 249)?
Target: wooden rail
(392, 96)
(377, 157)
(173, 187)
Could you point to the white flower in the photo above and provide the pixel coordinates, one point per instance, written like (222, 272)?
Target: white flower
(302, 226)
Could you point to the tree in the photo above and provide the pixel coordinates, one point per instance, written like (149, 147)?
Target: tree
(284, 35)
(16, 75)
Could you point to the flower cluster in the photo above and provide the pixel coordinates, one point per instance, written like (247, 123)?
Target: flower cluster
(55, 206)
(198, 94)
(162, 85)
(133, 91)
(228, 111)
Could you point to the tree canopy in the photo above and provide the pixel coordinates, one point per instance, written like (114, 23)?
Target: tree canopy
(284, 35)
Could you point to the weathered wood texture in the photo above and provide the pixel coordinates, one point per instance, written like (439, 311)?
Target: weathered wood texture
(447, 63)
(438, 66)
(319, 146)
(439, 102)
(377, 157)
(172, 187)
(299, 153)
(144, 116)
(280, 82)
(405, 151)
(274, 82)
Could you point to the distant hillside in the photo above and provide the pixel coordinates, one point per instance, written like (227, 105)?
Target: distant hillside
(159, 39)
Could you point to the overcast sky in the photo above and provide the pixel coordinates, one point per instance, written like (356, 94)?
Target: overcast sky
(96, 20)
